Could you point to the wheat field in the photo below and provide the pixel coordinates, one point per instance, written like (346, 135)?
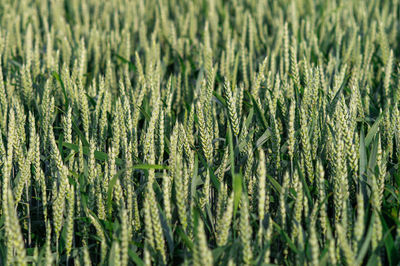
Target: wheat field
(199, 132)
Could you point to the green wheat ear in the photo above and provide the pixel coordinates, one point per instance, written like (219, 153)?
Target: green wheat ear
(192, 132)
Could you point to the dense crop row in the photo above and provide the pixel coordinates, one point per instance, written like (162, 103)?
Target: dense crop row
(199, 132)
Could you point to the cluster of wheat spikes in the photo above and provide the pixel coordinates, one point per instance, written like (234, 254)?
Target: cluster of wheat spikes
(199, 132)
